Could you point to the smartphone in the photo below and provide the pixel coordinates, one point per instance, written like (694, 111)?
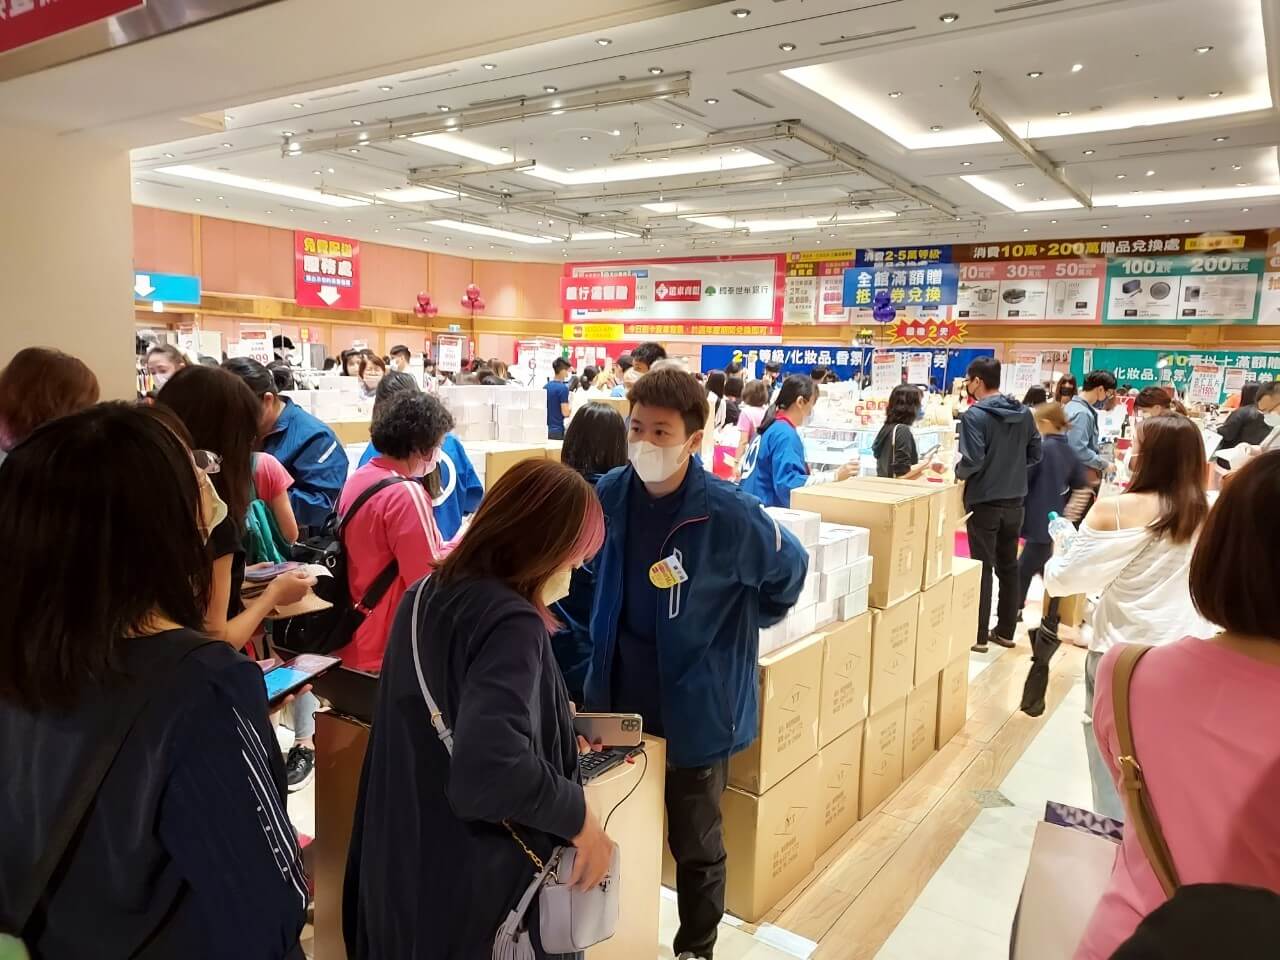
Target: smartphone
(269, 571)
(610, 729)
(296, 673)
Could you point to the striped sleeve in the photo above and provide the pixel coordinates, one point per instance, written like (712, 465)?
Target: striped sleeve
(411, 530)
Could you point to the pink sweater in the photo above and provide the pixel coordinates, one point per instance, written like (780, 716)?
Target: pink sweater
(1206, 725)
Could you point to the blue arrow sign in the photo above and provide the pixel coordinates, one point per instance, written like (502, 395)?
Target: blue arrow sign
(169, 287)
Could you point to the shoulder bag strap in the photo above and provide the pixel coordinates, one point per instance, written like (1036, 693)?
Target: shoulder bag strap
(365, 497)
(90, 782)
(1141, 812)
(382, 582)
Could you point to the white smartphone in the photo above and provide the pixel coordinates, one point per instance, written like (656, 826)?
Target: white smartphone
(610, 729)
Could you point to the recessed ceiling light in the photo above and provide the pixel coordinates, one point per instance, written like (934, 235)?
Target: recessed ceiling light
(570, 169)
(711, 101)
(740, 12)
(318, 173)
(1204, 49)
(325, 222)
(786, 47)
(737, 150)
(656, 71)
(357, 123)
(1019, 184)
(391, 216)
(936, 127)
(1106, 226)
(354, 150)
(1242, 183)
(1151, 173)
(505, 149)
(442, 107)
(604, 41)
(169, 155)
(226, 146)
(385, 87)
(1236, 166)
(330, 169)
(348, 219)
(1077, 67)
(1214, 94)
(1064, 113)
(489, 66)
(1088, 153)
(297, 106)
(949, 17)
(1187, 220)
(615, 133)
(268, 211)
(678, 125)
(1035, 74)
(1221, 139)
(198, 200)
(1244, 209)
(584, 137)
(895, 94)
(1053, 221)
(364, 135)
(1120, 176)
(966, 163)
(1146, 216)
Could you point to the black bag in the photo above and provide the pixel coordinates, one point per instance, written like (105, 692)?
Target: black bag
(328, 630)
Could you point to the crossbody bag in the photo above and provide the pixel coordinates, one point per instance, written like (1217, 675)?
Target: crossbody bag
(569, 920)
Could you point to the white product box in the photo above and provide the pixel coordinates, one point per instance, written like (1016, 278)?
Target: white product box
(534, 434)
(859, 543)
(771, 638)
(802, 523)
(534, 416)
(824, 612)
(859, 573)
(510, 416)
(854, 604)
(834, 585)
(301, 398)
(833, 547)
(815, 556)
(809, 595)
(800, 623)
(349, 386)
(354, 452)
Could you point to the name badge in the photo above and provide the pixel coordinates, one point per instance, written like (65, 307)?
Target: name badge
(666, 573)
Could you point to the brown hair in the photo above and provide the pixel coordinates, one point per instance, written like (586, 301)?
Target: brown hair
(1051, 412)
(368, 357)
(39, 385)
(1150, 397)
(538, 518)
(756, 394)
(1171, 463)
(1232, 572)
(671, 389)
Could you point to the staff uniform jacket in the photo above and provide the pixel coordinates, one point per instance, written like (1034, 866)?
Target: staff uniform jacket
(774, 465)
(314, 457)
(572, 643)
(744, 572)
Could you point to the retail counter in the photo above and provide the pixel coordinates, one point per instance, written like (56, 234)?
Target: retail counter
(636, 824)
(350, 431)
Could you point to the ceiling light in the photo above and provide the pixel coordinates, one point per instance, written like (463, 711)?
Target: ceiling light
(736, 150)
(740, 12)
(570, 169)
(325, 222)
(222, 198)
(1215, 94)
(711, 101)
(1088, 153)
(1151, 173)
(786, 47)
(297, 106)
(357, 123)
(656, 71)
(364, 136)
(1077, 67)
(966, 163)
(1221, 139)
(1064, 113)
(225, 179)
(1244, 209)
(198, 200)
(1146, 216)
(1053, 221)
(268, 212)
(1187, 220)
(1236, 166)
(615, 133)
(1019, 184)
(442, 107)
(549, 89)
(226, 146)
(413, 195)
(584, 138)
(489, 66)
(330, 169)
(1204, 49)
(895, 94)
(1242, 184)
(1035, 74)
(1026, 229)
(678, 125)
(169, 155)
(318, 173)
(385, 87)
(487, 231)
(1120, 176)
(354, 150)
(505, 149)
(949, 17)
(1106, 226)
(604, 41)
(936, 127)
(391, 216)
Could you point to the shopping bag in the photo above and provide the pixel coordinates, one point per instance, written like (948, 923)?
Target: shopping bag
(1072, 856)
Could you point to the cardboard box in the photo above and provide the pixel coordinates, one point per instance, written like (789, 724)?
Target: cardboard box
(500, 456)
(966, 586)
(883, 735)
(771, 841)
(553, 448)
(860, 573)
(1071, 610)
(790, 681)
(922, 726)
(840, 768)
(897, 519)
(833, 584)
(946, 507)
(853, 604)
(803, 523)
(933, 642)
(893, 653)
(846, 678)
(953, 698)
(621, 404)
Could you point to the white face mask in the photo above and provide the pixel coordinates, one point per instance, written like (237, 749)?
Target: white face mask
(557, 587)
(1272, 418)
(213, 509)
(160, 379)
(653, 463)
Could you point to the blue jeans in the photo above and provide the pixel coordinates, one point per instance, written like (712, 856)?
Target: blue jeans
(304, 716)
(1106, 799)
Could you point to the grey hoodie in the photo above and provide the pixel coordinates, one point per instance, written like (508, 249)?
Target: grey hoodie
(998, 442)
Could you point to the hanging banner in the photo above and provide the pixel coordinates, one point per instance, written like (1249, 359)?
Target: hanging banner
(1031, 291)
(612, 293)
(1205, 385)
(1150, 368)
(815, 281)
(928, 331)
(326, 271)
(27, 21)
(1210, 288)
(930, 285)
(847, 363)
(903, 255)
(1112, 246)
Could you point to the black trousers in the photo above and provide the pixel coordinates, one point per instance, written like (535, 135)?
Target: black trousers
(993, 540)
(1031, 564)
(695, 834)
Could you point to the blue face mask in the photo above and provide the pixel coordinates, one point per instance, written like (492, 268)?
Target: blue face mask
(920, 414)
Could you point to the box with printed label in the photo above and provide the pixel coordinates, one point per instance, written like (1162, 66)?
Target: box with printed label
(834, 584)
(946, 507)
(953, 698)
(790, 681)
(883, 734)
(898, 520)
(839, 770)
(846, 677)
(853, 604)
(771, 841)
(803, 523)
(933, 642)
(966, 584)
(922, 726)
(893, 652)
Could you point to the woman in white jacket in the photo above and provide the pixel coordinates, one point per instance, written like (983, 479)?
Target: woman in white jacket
(1135, 550)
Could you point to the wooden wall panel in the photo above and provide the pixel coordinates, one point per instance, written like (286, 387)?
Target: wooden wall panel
(218, 256)
(163, 241)
(541, 290)
(447, 279)
(280, 280)
(499, 287)
(392, 277)
(496, 346)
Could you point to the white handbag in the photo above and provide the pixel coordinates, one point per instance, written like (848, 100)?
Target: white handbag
(569, 920)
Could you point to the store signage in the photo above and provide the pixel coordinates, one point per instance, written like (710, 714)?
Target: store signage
(1217, 287)
(598, 293)
(165, 287)
(26, 21)
(449, 353)
(918, 367)
(1022, 373)
(907, 286)
(670, 290)
(845, 362)
(1032, 290)
(886, 370)
(326, 271)
(534, 359)
(1148, 368)
(1111, 246)
(1206, 383)
(904, 255)
(928, 331)
(815, 285)
(603, 332)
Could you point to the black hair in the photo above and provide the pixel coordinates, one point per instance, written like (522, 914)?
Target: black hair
(1249, 393)
(102, 547)
(732, 369)
(715, 383)
(794, 387)
(595, 441)
(986, 369)
(282, 375)
(1035, 396)
(673, 389)
(410, 423)
(400, 350)
(818, 374)
(392, 385)
(624, 362)
(281, 342)
(1100, 378)
(648, 354)
(491, 379)
(209, 361)
(345, 357)
(221, 413)
(588, 376)
(559, 365)
(329, 363)
(733, 387)
(1066, 388)
(904, 404)
(1268, 389)
(773, 368)
(258, 377)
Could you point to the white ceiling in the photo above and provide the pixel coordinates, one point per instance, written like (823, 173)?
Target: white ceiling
(1160, 137)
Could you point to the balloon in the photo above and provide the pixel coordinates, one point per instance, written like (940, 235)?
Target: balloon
(473, 292)
(882, 298)
(466, 303)
(431, 310)
(883, 314)
(424, 299)
(478, 304)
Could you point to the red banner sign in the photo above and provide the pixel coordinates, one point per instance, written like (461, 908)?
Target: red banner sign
(598, 293)
(26, 21)
(667, 291)
(326, 271)
(930, 332)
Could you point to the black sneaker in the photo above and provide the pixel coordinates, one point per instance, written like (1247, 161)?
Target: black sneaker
(300, 767)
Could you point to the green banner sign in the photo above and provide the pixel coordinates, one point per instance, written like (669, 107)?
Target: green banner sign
(1150, 368)
(1215, 287)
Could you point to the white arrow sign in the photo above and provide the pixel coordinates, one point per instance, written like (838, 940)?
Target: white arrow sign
(329, 295)
(142, 284)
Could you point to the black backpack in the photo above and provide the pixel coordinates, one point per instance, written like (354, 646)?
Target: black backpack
(328, 630)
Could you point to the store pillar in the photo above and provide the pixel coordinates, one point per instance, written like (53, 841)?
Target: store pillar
(66, 252)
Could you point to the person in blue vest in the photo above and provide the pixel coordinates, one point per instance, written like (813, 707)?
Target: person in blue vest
(690, 570)
(454, 487)
(306, 447)
(774, 464)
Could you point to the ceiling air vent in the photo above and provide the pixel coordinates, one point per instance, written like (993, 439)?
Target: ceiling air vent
(1025, 5)
(753, 98)
(867, 36)
(334, 95)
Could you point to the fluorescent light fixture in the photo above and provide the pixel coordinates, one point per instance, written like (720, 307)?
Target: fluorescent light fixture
(773, 225)
(412, 195)
(998, 192)
(307, 194)
(603, 235)
(669, 206)
(385, 87)
(486, 231)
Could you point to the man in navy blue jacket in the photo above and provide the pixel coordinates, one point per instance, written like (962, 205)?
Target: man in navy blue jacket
(684, 656)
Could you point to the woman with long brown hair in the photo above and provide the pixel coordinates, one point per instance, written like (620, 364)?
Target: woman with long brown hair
(38, 385)
(445, 821)
(1135, 550)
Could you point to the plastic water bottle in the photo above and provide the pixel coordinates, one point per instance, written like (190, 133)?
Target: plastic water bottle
(1061, 530)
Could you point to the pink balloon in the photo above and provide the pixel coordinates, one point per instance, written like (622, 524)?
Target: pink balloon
(424, 299)
(478, 304)
(466, 303)
(431, 310)
(473, 292)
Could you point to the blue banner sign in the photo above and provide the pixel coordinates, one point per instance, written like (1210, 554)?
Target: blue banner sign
(921, 285)
(845, 362)
(167, 287)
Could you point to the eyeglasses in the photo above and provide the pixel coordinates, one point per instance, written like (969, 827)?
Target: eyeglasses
(207, 462)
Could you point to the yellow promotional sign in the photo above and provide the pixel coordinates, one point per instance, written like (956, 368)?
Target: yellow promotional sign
(594, 332)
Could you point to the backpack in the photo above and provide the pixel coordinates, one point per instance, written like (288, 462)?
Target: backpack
(328, 630)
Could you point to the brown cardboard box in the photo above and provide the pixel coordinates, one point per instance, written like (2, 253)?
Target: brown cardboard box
(883, 734)
(846, 677)
(966, 582)
(500, 456)
(893, 653)
(1071, 610)
(790, 681)
(946, 507)
(841, 767)
(933, 644)
(553, 448)
(898, 518)
(953, 698)
(771, 841)
(621, 404)
(922, 726)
